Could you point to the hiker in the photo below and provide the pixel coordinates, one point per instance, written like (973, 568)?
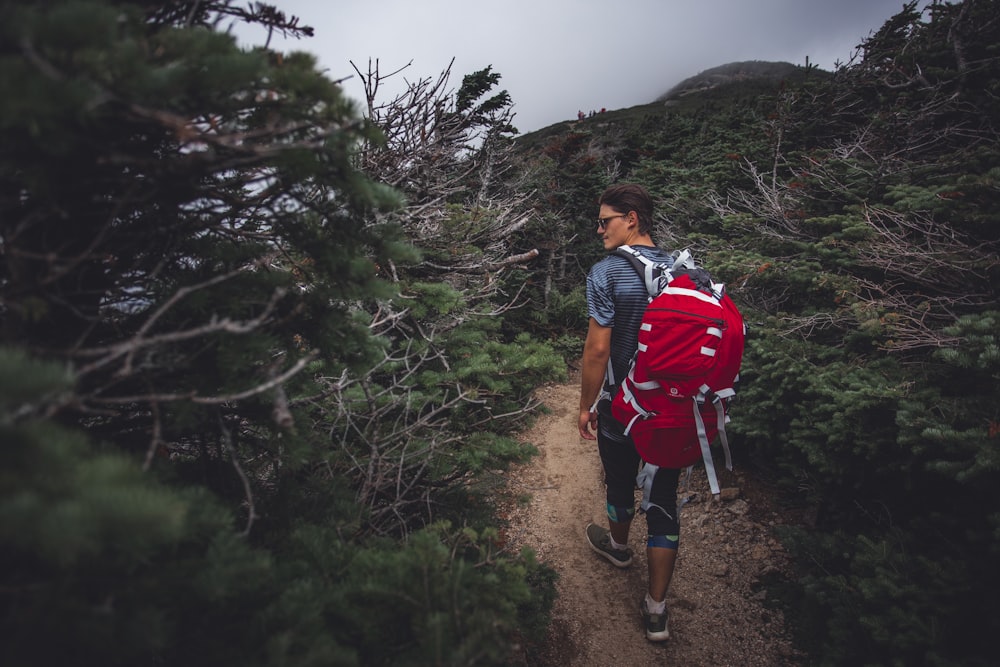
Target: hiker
(616, 301)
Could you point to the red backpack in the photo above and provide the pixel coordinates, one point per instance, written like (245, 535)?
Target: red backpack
(674, 399)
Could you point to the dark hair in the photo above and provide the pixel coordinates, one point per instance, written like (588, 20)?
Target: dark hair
(627, 197)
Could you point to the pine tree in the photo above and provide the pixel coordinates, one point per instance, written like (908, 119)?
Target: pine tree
(195, 367)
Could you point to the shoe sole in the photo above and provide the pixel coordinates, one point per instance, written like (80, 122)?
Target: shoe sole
(658, 636)
(608, 557)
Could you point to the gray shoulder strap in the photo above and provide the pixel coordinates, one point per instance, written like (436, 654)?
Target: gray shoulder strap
(645, 267)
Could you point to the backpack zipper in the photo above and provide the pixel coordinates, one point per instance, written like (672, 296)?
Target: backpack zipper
(719, 322)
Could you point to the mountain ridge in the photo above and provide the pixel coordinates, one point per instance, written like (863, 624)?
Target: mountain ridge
(733, 72)
(695, 90)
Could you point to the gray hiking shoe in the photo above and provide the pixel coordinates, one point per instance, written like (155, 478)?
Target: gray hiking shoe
(600, 541)
(655, 624)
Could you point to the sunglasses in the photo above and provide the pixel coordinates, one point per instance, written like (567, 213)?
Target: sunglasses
(602, 223)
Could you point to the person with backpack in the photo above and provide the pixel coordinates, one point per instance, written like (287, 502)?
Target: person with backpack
(616, 301)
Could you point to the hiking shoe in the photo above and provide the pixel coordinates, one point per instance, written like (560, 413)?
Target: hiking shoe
(600, 541)
(656, 624)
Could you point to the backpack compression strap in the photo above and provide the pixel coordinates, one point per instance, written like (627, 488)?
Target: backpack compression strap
(706, 452)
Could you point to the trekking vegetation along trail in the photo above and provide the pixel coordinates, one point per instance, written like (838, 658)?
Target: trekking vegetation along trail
(718, 612)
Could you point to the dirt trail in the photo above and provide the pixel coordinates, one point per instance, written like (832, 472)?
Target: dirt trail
(717, 615)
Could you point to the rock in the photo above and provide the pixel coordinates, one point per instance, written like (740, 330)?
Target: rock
(729, 494)
(739, 507)
(720, 570)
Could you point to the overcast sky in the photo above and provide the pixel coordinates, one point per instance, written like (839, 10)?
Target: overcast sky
(556, 57)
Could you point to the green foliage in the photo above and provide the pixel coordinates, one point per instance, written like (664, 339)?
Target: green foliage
(469, 100)
(979, 351)
(501, 374)
(103, 564)
(207, 365)
(837, 412)
(481, 451)
(431, 299)
(569, 346)
(881, 599)
(447, 595)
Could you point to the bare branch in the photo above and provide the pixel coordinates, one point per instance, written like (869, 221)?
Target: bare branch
(209, 400)
(227, 444)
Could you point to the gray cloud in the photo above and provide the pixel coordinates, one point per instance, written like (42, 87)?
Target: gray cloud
(559, 56)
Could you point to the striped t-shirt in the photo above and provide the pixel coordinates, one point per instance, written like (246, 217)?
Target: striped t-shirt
(617, 298)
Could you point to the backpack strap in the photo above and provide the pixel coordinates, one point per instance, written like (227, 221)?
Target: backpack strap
(716, 398)
(644, 480)
(652, 273)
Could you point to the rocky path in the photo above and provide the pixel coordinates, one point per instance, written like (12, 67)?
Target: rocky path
(718, 612)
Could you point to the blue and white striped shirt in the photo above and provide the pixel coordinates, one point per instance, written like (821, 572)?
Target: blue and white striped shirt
(617, 298)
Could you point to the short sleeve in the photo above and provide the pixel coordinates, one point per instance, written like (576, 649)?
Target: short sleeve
(600, 297)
